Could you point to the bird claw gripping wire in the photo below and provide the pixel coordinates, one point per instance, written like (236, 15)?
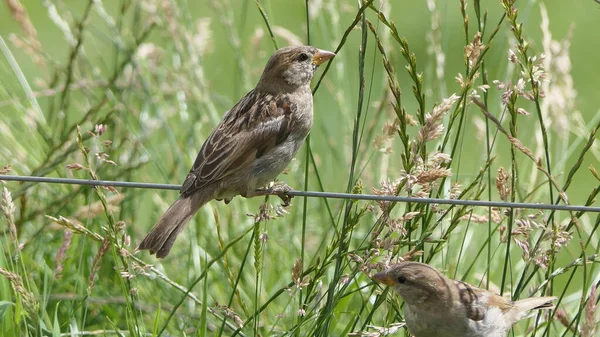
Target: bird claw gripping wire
(281, 189)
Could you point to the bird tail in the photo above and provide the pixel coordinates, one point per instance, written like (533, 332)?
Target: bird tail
(534, 303)
(162, 236)
(522, 307)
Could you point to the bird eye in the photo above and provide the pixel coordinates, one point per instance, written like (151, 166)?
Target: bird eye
(401, 279)
(302, 57)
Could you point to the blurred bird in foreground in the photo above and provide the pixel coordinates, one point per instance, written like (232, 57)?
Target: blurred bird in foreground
(253, 143)
(438, 306)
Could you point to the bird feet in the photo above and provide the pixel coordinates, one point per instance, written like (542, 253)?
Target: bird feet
(275, 188)
(280, 189)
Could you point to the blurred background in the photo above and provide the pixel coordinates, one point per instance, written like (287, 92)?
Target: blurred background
(159, 75)
(228, 44)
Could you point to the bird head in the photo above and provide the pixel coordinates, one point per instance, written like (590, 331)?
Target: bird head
(415, 282)
(292, 67)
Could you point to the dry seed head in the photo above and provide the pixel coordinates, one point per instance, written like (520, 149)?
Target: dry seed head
(503, 184)
(542, 258)
(561, 238)
(388, 244)
(433, 127)
(263, 237)
(500, 85)
(5, 169)
(476, 218)
(257, 37)
(229, 313)
(110, 188)
(411, 255)
(480, 128)
(202, 39)
(149, 52)
(524, 245)
(496, 215)
(172, 16)
(560, 105)
(432, 175)
(104, 247)
(391, 128)
(588, 328)
(517, 143)
(382, 144)
(424, 193)
(20, 14)
(28, 299)
(127, 275)
(297, 271)
(473, 50)
(410, 215)
(97, 208)
(387, 188)
(459, 79)
(379, 331)
(434, 37)
(60, 255)
(75, 167)
(562, 317)
(31, 47)
(75, 226)
(455, 190)
(103, 158)
(395, 225)
(8, 208)
(263, 213)
(512, 57)
(281, 211)
(439, 158)
(99, 129)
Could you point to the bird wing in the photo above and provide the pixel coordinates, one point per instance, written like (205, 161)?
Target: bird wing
(477, 300)
(473, 300)
(254, 126)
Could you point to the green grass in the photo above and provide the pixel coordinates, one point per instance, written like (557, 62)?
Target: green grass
(160, 75)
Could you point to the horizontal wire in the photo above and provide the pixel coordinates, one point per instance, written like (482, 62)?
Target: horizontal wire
(334, 195)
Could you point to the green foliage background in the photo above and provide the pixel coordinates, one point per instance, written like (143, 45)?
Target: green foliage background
(160, 74)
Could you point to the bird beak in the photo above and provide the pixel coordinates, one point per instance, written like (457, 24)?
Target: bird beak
(384, 278)
(321, 56)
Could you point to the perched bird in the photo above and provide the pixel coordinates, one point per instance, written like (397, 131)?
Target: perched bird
(253, 143)
(438, 306)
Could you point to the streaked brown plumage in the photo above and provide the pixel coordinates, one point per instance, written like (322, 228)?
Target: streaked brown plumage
(438, 306)
(253, 143)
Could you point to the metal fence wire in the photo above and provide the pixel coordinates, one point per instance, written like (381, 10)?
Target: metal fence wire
(315, 194)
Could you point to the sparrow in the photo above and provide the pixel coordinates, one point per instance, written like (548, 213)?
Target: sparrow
(251, 146)
(438, 306)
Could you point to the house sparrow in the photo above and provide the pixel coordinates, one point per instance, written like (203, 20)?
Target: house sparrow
(253, 143)
(439, 306)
